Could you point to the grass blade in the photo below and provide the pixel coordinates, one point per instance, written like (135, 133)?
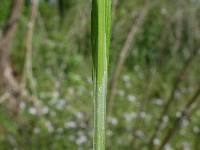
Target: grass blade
(100, 27)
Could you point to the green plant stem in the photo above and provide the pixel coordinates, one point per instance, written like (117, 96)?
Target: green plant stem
(101, 16)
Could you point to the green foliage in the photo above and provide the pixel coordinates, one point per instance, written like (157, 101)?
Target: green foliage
(4, 9)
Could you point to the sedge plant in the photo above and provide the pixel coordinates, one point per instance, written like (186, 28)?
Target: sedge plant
(100, 28)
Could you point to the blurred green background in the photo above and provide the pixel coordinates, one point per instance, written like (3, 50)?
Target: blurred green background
(58, 111)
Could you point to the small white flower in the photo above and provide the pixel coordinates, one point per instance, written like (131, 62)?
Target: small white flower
(89, 79)
(139, 133)
(70, 124)
(81, 138)
(163, 11)
(158, 102)
(36, 130)
(49, 126)
(196, 129)
(131, 98)
(113, 121)
(165, 119)
(126, 78)
(177, 94)
(22, 105)
(79, 115)
(60, 103)
(186, 146)
(45, 110)
(33, 110)
(178, 114)
(168, 147)
(185, 122)
(55, 94)
(130, 116)
(143, 115)
(156, 141)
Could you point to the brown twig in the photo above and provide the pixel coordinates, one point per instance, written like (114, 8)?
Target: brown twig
(177, 82)
(8, 81)
(178, 78)
(177, 121)
(123, 54)
(28, 75)
(179, 26)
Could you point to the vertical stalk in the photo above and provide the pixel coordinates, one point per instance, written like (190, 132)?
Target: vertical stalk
(28, 75)
(100, 28)
(8, 82)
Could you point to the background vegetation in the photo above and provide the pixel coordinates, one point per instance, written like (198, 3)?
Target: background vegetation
(153, 96)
